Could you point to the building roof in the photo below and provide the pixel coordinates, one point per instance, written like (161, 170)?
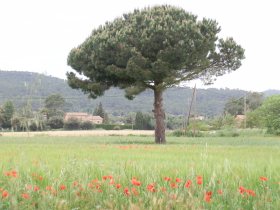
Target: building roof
(82, 115)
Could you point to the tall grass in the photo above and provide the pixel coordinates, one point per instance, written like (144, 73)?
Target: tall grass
(225, 164)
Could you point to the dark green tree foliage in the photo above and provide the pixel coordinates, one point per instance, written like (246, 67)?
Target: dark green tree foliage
(54, 105)
(72, 124)
(254, 119)
(143, 121)
(99, 111)
(55, 122)
(1, 117)
(7, 114)
(254, 100)
(87, 125)
(271, 114)
(236, 106)
(154, 48)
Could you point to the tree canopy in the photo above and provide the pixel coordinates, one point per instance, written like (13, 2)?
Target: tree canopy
(154, 48)
(54, 105)
(270, 111)
(252, 100)
(6, 114)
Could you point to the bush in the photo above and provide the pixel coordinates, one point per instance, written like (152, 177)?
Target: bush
(72, 124)
(229, 132)
(271, 114)
(87, 125)
(33, 127)
(198, 125)
(55, 122)
(117, 127)
(188, 133)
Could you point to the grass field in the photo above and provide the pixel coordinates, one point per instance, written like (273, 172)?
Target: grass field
(130, 172)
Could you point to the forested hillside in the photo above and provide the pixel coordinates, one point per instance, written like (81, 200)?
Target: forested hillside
(23, 87)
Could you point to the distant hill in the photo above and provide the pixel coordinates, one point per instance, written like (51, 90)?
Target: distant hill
(271, 92)
(21, 87)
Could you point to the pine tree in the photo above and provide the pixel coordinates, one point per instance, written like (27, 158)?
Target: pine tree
(154, 48)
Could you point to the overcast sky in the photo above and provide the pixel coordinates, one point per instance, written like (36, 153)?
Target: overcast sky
(37, 35)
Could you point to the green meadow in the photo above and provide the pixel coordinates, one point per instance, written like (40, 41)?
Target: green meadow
(131, 172)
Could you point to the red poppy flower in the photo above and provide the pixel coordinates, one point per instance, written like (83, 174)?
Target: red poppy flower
(126, 191)
(49, 188)
(97, 186)
(188, 183)
(220, 192)
(5, 194)
(178, 180)
(167, 179)
(62, 187)
(90, 185)
(75, 184)
(263, 178)
(173, 185)
(199, 180)
(14, 173)
(36, 188)
(242, 190)
(25, 196)
(250, 192)
(135, 182)
(134, 191)
(208, 196)
(151, 187)
(95, 181)
(118, 186)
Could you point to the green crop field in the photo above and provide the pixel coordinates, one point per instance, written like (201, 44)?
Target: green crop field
(130, 172)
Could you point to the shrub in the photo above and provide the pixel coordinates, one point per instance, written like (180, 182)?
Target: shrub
(55, 122)
(271, 114)
(33, 126)
(72, 124)
(117, 127)
(87, 125)
(188, 133)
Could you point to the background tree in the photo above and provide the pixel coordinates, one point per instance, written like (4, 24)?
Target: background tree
(7, 114)
(99, 111)
(254, 100)
(1, 117)
(143, 121)
(55, 122)
(271, 114)
(54, 105)
(154, 48)
(235, 107)
(254, 119)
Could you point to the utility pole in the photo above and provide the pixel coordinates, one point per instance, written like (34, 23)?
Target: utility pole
(245, 110)
(188, 117)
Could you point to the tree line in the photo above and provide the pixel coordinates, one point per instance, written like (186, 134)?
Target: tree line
(51, 116)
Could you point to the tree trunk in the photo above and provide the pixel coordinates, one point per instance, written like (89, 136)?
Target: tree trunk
(159, 117)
